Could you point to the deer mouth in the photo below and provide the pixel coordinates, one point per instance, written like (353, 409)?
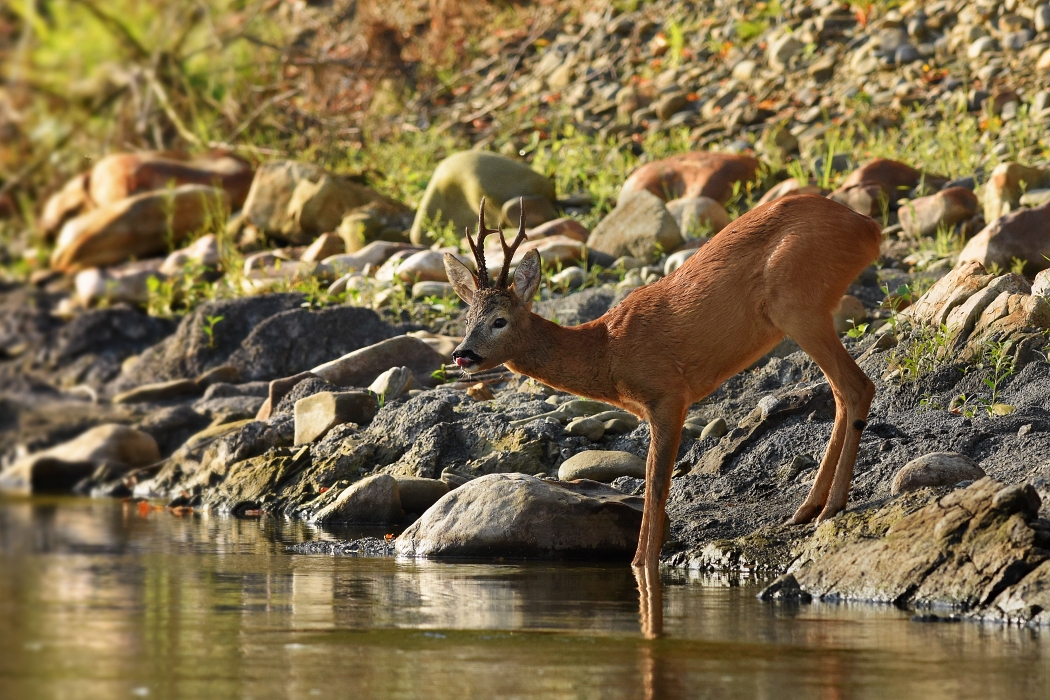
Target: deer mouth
(466, 359)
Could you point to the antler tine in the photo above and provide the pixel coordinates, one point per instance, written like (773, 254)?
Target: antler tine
(479, 261)
(508, 251)
(479, 248)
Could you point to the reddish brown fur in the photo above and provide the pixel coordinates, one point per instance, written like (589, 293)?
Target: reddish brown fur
(780, 269)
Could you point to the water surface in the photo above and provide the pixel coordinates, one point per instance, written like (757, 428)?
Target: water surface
(100, 599)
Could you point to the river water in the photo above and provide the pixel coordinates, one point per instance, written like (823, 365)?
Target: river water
(100, 599)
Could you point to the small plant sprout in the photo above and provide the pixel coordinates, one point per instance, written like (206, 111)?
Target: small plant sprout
(209, 328)
(857, 331)
(1001, 363)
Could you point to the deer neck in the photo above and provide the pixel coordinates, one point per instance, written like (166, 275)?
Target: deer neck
(573, 359)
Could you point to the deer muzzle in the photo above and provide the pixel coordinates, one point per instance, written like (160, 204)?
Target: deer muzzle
(465, 359)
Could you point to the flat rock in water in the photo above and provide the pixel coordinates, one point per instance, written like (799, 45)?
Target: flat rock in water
(602, 465)
(516, 515)
(936, 469)
(60, 467)
(374, 500)
(980, 549)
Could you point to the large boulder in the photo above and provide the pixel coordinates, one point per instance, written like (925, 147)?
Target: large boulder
(59, 468)
(119, 176)
(697, 174)
(639, 226)
(374, 500)
(516, 515)
(68, 202)
(698, 216)
(977, 548)
(124, 175)
(460, 181)
(191, 351)
(923, 216)
(137, 227)
(296, 340)
(298, 201)
(1007, 184)
(1022, 235)
(976, 306)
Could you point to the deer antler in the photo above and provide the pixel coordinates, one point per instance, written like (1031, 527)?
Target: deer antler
(479, 248)
(508, 251)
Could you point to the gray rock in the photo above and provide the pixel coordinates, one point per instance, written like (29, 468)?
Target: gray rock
(640, 226)
(189, 352)
(579, 307)
(716, 429)
(698, 216)
(362, 367)
(516, 515)
(977, 549)
(230, 408)
(982, 46)
(935, 469)
(676, 260)
(316, 415)
(670, 103)
(923, 216)
(159, 391)
(442, 290)
(619, 426)
(296, 340)
(392, 384)
(781, 52)
(417, 494)
(374, 500)
(906, 53)
(602, 465)
(92, 347)
(586, 427)
(462, 179)
(570, 278)
(1042, 18)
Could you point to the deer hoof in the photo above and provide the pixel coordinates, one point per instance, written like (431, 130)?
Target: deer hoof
(827, 514)
(805, 514)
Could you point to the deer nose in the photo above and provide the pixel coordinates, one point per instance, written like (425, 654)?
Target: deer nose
(465, 358)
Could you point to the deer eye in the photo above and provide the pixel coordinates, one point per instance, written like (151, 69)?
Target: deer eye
(499, 323)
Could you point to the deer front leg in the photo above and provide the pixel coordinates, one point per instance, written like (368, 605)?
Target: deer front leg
(665, 426)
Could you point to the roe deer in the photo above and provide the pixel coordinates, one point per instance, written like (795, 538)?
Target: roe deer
(778, 270)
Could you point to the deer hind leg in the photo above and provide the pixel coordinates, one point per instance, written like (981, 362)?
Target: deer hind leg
(665, 425)
(853, 393)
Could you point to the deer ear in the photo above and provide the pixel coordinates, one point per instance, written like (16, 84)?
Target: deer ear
(462, 279)
(527, 277)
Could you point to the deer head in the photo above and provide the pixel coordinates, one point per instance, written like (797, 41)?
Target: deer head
(498, 319)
